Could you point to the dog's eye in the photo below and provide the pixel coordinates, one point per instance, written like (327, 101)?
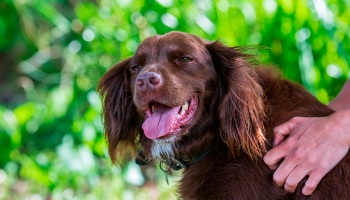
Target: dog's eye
(135, 68)
(185, 59)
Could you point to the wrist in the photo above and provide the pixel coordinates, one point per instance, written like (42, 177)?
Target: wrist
(341, 125)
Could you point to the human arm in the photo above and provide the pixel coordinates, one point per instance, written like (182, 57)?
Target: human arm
(342, 101)
(314, 146)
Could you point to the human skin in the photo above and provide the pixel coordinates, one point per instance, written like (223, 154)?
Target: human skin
(313, 147)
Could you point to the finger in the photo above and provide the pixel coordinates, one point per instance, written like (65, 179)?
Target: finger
(273, 156)
(294, 178)
(283, 130)
(283, 171)
(312, 182)
(278, 138)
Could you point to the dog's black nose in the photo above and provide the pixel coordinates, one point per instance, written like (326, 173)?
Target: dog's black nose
(149, 81)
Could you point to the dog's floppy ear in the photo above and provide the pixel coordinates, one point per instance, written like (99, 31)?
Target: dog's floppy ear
(119, 112)
(241, 110)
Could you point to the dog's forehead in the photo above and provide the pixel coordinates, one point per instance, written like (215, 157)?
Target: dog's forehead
(171, 42)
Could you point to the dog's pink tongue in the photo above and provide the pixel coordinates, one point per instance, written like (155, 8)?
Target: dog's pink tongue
(159, 123)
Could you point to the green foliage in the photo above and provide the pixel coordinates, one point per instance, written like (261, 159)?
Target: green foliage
(53, 53)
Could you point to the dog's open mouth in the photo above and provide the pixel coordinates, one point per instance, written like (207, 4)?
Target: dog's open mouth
(163, 121)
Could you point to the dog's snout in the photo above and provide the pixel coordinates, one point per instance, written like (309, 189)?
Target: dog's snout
(149, 81)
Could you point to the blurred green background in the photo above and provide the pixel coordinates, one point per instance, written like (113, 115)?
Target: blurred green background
(53, 53)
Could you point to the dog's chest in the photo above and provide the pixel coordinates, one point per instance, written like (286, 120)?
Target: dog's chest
(221, 177)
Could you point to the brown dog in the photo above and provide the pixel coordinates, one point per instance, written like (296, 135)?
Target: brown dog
(201, 106)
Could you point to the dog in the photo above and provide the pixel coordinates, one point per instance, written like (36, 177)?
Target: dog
(208, 109)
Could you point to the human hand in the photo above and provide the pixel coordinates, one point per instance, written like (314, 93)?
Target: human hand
(314, 146)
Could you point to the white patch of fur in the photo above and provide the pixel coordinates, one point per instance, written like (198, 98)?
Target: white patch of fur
(163, 148)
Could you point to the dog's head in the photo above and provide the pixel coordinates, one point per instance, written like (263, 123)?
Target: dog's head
(179, 87)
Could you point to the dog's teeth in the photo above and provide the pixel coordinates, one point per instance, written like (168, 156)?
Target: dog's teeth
(185, 107)
(178, 115)
(183, 111)
(152, 109)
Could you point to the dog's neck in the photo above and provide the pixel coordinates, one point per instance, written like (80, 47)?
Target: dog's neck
(178, 154)
(181, 162)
